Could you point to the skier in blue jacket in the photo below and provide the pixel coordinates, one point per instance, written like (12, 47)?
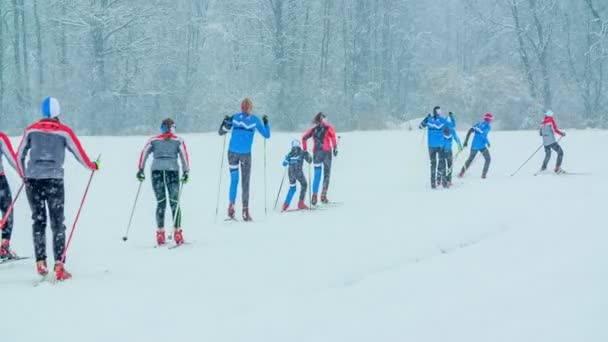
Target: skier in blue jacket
(449, 136)
(480, 144)
(435, 124)
(243, 126)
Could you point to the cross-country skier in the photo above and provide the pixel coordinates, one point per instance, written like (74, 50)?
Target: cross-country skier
(449, 135)
(45, 142)
(480, 144)
(325, 145)
(295, 161)
(435, 124)
(165, 149)
(6, 199)
(243, 126)
(548, 128)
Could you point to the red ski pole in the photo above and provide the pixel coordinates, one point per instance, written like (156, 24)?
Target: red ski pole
(84, 197)
(10, 208)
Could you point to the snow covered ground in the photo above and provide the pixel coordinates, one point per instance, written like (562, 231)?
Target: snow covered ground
(519, 258)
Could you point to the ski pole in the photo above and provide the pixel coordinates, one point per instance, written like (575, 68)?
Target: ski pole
(280, 188)
(533, 154)
(84, 197)
(219, 184)
(126, 236)
(265, 187)
(10, 208)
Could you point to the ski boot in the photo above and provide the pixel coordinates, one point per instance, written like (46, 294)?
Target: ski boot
(313, 200)
(160, 236)
(285, 206)
(302, 205)
(231, 211)
(178, 236)
(559, 171)
(60, 272)
(41, 267)
(5, 251)
(246, 216)
(324, 199)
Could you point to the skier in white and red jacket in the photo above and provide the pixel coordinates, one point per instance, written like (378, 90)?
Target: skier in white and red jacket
(45, 142)
(548, 129)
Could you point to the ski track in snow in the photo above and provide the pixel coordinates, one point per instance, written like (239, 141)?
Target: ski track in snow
(518, 258)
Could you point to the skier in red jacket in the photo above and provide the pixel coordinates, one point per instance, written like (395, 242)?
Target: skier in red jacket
(325, 144)
(548, 129)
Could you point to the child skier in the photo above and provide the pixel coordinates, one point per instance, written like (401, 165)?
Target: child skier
(324, 137)
(449, 135)
(435, 124)
(480, 144)
(243, 126)
(46, 142)
(6, 199)
(548, 128)
(295, 160)
(165, 149)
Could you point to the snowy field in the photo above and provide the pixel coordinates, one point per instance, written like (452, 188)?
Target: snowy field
(519, 258)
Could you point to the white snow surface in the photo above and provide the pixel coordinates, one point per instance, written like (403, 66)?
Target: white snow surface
(520, 258)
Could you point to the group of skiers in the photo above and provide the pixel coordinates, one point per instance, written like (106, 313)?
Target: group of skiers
(44, 144)
(442, 134)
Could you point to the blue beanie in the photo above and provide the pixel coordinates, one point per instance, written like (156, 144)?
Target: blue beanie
(50, 107)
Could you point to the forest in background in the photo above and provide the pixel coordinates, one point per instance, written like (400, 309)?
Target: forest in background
(120, 66)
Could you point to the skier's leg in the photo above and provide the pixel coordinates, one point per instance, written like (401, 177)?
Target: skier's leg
(158, 185)
(560, 156)
(486, 166)
(233, 166)
(441, 170)
(5, 202)
(173, 190)
(326, 171)
(433, 157)
(467, 163)
(36, 197)
(55, 201)
(303, 184)
(292, 188)
(449, 161)
(318, 163)
(246, 173)
(547, 158)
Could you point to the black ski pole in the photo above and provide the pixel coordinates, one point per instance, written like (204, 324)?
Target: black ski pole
(280, 189)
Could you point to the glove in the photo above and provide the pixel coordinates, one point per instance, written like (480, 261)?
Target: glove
(451, 114)
(140, 175)
(185, 177)
(265, 120)
(97, 165)
(306, 155)
(335, 151)
(563, 134)
(488, 145)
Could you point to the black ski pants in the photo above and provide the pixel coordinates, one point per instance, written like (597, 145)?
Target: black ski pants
(43, 194)
(5, 202)
(560, 155)
(163, 183)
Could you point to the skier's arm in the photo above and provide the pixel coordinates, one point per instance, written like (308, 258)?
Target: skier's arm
(143, 157)
(7, 150)
(24, 147)
(466, 140)
(486, 133)
(305, 138)
(332, 137)
(456, 138)
(424, 122)
(263, 127)
(225, 126)
(286, 160)
(74, 145)
(555, 129)
(307, 157)
(183, 154)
